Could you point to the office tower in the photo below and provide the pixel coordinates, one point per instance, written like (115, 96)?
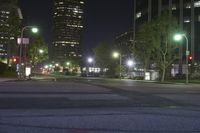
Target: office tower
(67, 19)
(8, 15)
(187, 12)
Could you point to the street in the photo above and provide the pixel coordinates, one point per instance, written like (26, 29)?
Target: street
(90, 105)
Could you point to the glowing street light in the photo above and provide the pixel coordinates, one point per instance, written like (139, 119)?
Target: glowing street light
(90, 60)
(130, 63)
(118, 55)
(68, 63)
(41, 51)
(57, 64)
(34, 30)
(179, 37)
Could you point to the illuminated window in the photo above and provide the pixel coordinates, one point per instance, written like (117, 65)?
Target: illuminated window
(173, 7)
(199, 18)
(186, 20)
(188, 6)
(197, 4)
(138, 15)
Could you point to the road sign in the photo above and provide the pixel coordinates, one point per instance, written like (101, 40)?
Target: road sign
(24, 41)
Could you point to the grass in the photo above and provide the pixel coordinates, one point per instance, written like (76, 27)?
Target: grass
(8, 74)
(182, 81)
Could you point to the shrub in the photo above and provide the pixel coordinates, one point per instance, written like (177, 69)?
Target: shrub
(195, 75)
(3, 67)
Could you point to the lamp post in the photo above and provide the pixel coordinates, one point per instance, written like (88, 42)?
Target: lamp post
(41, 51)
(90, 60)
(34, 30)
(179, 37)
(130, 64)
(118, 55)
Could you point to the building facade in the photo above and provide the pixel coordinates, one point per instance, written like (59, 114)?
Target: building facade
(67, 29)
(7, 37)
(187, 12)
(4, 36)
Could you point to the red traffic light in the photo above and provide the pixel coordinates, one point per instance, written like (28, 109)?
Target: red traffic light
(14, 60)
(190, 57)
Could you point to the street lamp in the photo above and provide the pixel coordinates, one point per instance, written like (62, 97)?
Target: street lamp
(178, 37)
(68, 63)
(118, 55)
(41, 51)
(90, 60)
(57, 65)
(130, 63)
(34, 30)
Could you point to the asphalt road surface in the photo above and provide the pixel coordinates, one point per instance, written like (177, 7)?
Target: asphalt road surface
(98, 106)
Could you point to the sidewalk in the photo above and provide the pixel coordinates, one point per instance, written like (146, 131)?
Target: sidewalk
(7, 79)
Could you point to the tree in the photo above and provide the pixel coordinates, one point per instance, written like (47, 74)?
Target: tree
(102, 55)
(165, 26)
(154, 43)
(37, 50)
(103, 59)
(145, 44)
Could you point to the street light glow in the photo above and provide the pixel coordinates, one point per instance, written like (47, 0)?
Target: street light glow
(130, 63)
(57, 64)
(41, 51)
(116, 54)
(34, 30)
(178, 37)
(68, 63)
(90, 60)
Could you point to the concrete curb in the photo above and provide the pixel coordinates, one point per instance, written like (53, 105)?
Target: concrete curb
(7, 79)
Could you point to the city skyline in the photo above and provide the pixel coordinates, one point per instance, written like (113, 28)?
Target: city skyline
(99, 25)
(67, 29)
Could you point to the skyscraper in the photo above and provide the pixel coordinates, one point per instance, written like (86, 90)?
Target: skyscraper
(67, 18)
(9, 21)
(187, 12)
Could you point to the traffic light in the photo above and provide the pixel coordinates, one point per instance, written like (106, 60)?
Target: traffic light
(190, 59)
(15, 60)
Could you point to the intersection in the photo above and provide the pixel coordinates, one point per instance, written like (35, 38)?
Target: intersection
(90, 105)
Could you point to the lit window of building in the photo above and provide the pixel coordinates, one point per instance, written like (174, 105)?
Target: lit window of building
(173, 7)
(197, 4)
(187, 20)
(188, 6)
(138, 15)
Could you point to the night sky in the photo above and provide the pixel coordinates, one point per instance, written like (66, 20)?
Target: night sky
(104, 19)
